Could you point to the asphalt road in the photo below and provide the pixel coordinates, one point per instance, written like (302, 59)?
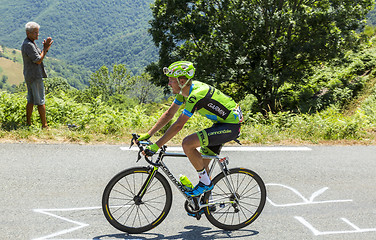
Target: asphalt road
(54, 192)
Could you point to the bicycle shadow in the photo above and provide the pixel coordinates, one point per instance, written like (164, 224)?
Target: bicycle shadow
(192, 233)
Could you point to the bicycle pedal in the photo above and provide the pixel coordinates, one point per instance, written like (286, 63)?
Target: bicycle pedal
(196, 215)
(212, 208)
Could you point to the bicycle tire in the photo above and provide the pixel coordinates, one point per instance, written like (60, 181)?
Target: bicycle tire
(250, 191)
(124, 212)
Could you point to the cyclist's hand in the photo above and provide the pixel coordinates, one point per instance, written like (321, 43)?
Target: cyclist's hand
(151, 150)
(144, 137)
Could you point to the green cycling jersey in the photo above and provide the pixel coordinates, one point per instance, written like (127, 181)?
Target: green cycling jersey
(211, 103)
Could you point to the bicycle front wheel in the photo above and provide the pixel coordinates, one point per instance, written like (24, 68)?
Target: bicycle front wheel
(239, 198)
(126, 211)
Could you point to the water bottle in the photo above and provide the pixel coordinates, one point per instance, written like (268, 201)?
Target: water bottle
(186, 183)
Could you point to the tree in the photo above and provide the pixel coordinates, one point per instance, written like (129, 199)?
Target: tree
(252, 46)
(145, 91)
(4, 79)
(106, 83)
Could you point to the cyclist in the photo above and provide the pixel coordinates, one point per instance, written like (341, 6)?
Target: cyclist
(208, 102)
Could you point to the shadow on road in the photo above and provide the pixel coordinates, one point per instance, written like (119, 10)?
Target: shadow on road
(191, 233)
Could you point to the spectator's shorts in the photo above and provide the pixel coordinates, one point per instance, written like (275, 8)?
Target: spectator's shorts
(212, 139)
(35, 92)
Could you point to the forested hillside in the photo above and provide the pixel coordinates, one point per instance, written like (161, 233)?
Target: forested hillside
(90, 33)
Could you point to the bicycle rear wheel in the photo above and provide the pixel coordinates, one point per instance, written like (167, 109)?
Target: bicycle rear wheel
(237, 209)
(127, 212)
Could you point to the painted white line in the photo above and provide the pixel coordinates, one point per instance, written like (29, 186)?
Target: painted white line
(69, 230)
(351, 224)
(317, 232)
(66, 209)
(238, 149)
(305, 201)
(47, 212)
(308, 225)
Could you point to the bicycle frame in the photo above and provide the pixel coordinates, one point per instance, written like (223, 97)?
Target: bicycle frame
(160, 164)
(165, 169)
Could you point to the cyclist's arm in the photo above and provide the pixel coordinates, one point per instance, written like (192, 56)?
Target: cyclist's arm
(164, 119)
(173, 130)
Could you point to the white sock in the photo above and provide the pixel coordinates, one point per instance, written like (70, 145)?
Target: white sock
(204, 177)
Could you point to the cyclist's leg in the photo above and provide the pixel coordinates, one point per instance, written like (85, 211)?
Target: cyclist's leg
(210, 139)
(210, 151)
(190, 144)
(190, 149)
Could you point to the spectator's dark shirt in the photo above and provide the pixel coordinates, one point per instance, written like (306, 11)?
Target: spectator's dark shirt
(31, 55)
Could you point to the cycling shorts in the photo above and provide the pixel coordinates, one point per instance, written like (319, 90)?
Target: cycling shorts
(212, 139)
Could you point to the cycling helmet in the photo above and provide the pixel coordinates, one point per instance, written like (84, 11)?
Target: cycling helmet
(180, 68)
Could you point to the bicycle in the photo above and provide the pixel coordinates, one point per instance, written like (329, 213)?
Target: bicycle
(139, 198)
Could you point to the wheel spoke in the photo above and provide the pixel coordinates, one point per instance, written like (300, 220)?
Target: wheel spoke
(241, 207)
(128, 212)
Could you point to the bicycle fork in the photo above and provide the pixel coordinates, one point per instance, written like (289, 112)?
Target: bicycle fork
(138, 198)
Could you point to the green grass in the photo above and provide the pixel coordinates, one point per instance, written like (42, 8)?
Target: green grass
(100, 124)
(13, 70)
(11, 65)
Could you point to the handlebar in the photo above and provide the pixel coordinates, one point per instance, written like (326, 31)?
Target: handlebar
(140, 145)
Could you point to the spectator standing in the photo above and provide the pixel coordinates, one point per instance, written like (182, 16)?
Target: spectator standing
(34, 71)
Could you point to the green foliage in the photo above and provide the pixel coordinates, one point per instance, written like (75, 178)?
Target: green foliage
(12, 110)
(111, 86)
(77, 76)
(253, 47)
(98, 120)
(328, 125)
(336, 82)
(106, 83)
(56, 84)
(122, 102)
(61, 109)
(145, 90)
(367, 109)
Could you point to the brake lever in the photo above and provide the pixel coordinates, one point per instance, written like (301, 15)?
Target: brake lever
(139, 152)
(139, 156)
(139, 144)
(134, 138)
